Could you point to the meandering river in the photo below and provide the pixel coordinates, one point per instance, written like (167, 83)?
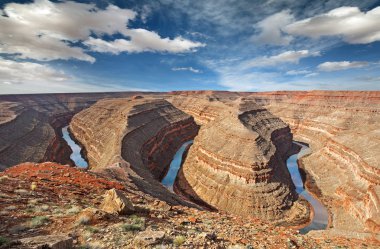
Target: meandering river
(321, 215)
(76, 155)
(320, 218)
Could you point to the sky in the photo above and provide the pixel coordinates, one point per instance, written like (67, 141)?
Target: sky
(166, 45)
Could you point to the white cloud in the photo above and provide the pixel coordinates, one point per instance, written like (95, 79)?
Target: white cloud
(285, 57)
(12, 72)
(191, 69)
(298, 72)
(350, 23)
(271, 26)
(142, 40)
(46, 31)
(29, 77)
(341, 65)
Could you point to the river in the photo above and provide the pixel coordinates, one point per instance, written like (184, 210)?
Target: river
(321, 215)
(76, 155)
(175, 165)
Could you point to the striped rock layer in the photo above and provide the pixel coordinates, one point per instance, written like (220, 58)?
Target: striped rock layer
(237, 161)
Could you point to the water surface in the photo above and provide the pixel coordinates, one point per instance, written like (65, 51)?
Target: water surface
(75, 156)
(175, 165)
(321, 216)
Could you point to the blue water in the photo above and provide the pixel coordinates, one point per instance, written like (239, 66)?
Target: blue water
(175, 165)
(321, 215)
(75, 156)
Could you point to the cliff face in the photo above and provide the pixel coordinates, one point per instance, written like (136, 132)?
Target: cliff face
(143, 134)
(237, 162)
(343, 131)
(30, 125)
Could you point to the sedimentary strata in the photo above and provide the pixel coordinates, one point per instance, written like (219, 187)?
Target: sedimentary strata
(342, 129)
(141, 133)
(237, 162)
(30, 125)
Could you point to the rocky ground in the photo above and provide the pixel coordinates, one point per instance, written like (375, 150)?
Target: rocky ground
(69, 203)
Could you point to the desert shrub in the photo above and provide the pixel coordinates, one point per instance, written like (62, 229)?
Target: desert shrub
(38, 221)
(33, 186)
(3, 178)
(179, 240)
(3, 241)
(83, 220)
(73, 210)
(135, 223)
(92, 229)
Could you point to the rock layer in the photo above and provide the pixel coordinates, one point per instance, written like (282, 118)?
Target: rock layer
(141, 134)
(30, 125)
(237, 162)
(343, 131)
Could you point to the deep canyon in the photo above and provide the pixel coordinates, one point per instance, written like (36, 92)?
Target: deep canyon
(237, 163)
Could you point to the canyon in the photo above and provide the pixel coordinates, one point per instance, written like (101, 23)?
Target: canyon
(237, 162)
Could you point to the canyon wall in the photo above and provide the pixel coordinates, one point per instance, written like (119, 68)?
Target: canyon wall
(30, 125)
(237, 161)
(343, 131)
(141, 134)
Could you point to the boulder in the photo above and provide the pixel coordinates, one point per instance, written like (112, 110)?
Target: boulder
(48, 241)
(115, 202)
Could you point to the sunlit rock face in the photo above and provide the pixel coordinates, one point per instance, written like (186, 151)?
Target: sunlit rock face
(141, 135)
(237, 161)
(343, 131)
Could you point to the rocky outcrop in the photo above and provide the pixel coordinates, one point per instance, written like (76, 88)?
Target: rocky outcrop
(237, 164)
(141, 134)
(342, 129)
(115, 202)
(47, 242)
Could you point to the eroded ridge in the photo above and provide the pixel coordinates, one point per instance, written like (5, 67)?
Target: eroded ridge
(343, 131)
(141, 134)
(237, 164)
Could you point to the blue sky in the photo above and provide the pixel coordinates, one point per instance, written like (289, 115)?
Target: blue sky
(120, 45)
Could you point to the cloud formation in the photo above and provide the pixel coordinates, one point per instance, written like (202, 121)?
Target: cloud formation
(13, 72)
(191, 69)
(341, 65)
(46, 31)
(285, 57)
(353, 25)
(270, 28)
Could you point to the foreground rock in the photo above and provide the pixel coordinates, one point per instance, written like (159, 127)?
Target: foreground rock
(61, 199)
(47, 242)
(116, 203)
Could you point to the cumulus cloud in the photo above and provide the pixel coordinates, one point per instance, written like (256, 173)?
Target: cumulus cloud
(341, 65)
(353, 25)
(271, 26)
(13, 72)
(285, 57)
(46, 31)
(142, 40)
(191, 69)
